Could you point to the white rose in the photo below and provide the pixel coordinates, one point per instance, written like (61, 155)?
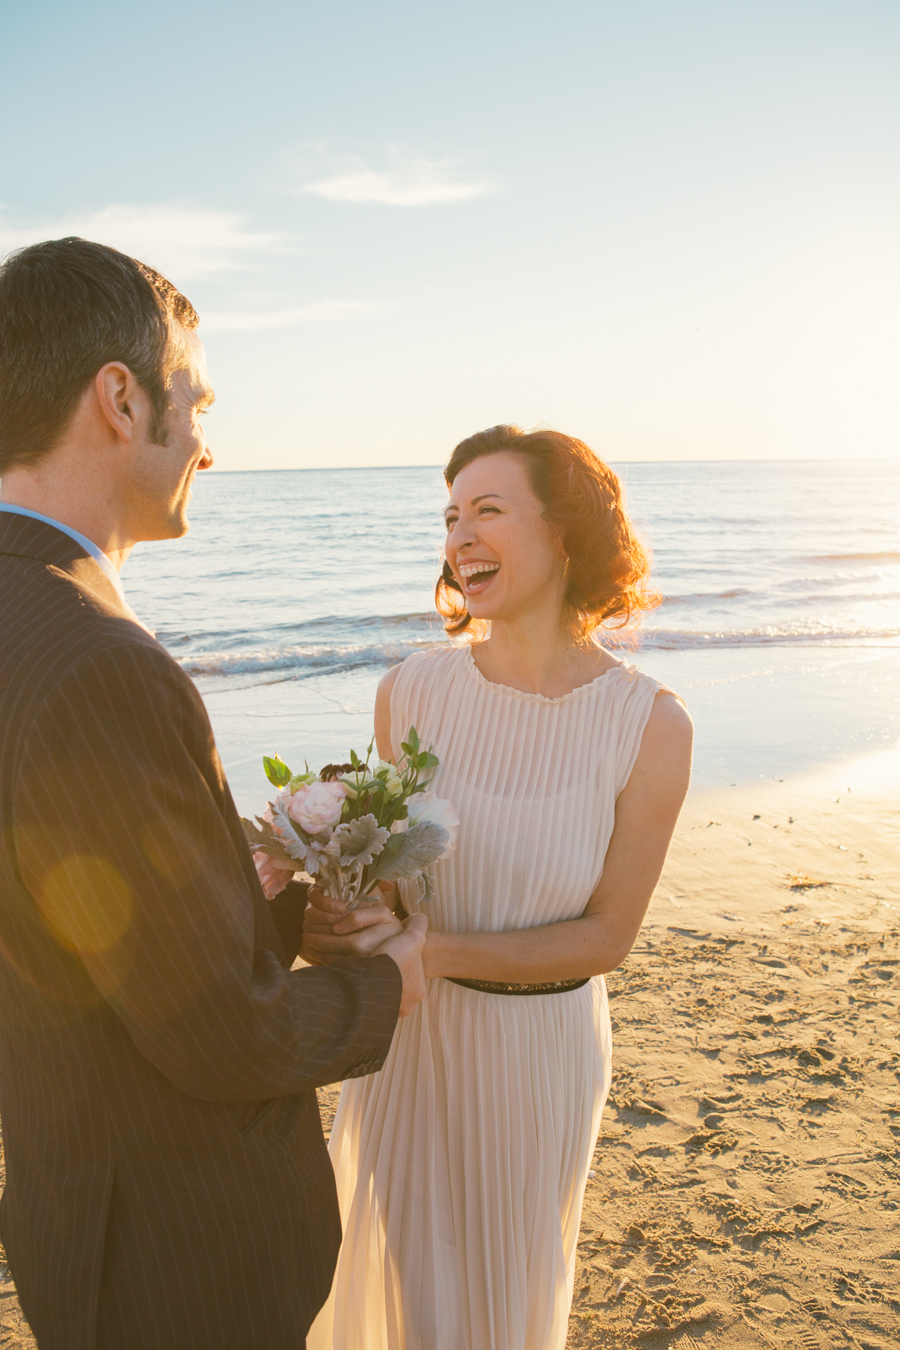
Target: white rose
(428, 809)
(392, 779)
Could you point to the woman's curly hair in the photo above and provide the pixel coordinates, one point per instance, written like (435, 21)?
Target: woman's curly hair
(608, 573)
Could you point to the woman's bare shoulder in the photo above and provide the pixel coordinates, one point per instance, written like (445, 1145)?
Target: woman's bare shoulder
(383, 711)
(387, 682)
(668, 736)
(669, 712)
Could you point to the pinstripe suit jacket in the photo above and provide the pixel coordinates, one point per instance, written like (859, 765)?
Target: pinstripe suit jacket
(168, 1186)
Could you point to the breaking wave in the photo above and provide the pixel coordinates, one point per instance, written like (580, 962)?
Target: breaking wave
(308, 660)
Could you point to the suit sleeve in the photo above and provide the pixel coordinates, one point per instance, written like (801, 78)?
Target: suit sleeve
(287, 911)
(124, 846)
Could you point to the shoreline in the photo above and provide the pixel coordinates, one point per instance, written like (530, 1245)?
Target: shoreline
(759, 713)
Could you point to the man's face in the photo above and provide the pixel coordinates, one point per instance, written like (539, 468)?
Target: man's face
(164, 473)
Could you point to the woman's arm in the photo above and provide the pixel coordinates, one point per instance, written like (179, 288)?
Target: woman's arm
(383, 713)
(646, 812)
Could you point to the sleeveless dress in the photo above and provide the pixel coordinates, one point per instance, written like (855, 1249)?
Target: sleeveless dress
(461, 1165)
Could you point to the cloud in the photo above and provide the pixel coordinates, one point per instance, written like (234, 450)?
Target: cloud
(324, 311)
(184, 242)
(404, 179)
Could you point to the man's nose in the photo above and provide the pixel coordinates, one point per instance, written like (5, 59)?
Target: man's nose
(207, 460)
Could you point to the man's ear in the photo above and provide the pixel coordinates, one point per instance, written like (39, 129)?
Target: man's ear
(120, 398)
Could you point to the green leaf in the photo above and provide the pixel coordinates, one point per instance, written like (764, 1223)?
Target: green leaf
(413, 738)
(394, 844)
(277, 771)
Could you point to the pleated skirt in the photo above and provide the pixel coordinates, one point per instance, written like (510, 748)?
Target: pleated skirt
(461, 1168)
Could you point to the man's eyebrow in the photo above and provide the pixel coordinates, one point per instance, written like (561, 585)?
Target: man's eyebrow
(206, 399)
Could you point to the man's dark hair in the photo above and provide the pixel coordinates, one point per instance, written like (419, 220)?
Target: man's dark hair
(67, 307)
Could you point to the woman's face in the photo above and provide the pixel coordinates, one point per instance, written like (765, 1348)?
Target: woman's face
(499, 546)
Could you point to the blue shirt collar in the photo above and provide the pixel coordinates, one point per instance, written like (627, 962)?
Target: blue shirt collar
(87, 544)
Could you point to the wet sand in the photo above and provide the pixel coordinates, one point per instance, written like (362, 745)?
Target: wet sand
(746, 1187)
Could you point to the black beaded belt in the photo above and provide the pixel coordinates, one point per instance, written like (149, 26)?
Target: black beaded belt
(489, 987)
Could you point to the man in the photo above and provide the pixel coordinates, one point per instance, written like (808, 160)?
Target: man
(168, 1186)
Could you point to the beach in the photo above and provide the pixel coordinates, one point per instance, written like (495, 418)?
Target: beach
(747, 1177)
(743, 1189)
(745, 1183)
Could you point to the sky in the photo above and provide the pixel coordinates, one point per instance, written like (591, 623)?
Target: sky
(669, 227)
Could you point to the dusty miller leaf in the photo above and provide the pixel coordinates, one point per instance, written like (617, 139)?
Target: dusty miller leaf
(252, 833)
(262, 839)
(417, 848)
(294, 841)
(357, 842)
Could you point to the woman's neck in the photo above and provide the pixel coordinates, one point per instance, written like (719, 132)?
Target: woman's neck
(539, 658)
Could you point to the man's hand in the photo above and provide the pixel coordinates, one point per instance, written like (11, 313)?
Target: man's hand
(330, 930)
(406, 949)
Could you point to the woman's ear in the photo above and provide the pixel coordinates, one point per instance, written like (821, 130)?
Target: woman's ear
(559, 539)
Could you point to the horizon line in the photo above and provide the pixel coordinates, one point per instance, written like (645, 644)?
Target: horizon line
(349, 468)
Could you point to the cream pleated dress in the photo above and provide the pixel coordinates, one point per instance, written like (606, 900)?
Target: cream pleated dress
(461, 1165)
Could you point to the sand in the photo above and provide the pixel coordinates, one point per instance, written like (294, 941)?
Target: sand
(746, 1186)
(747, 1179)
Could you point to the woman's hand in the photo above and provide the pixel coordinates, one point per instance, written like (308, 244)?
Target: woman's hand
(390, 896)
(331, 930)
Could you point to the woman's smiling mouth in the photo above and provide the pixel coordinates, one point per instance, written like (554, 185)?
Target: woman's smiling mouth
(477, 576)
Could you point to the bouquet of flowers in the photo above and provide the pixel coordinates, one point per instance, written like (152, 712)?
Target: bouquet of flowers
(351, 826)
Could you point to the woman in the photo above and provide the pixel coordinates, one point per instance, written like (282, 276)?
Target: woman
(461, 1166)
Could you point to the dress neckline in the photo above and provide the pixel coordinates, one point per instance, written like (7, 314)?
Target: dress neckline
(526, 697)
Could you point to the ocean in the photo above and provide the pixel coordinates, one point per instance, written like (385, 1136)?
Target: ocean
(780, 625)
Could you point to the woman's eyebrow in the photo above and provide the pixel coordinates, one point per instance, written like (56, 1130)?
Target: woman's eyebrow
(475, 501)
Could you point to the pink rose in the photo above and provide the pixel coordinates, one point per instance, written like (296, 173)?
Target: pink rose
(273, 876)
(317, 805)
(282, 801)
